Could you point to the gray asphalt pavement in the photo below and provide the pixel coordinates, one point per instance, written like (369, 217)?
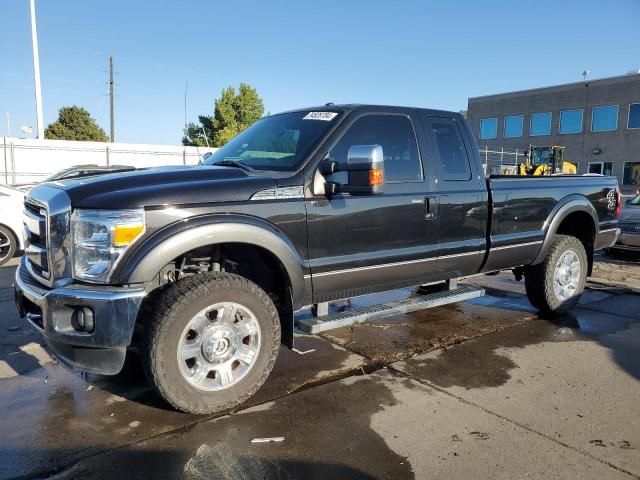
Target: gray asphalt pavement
(476, 390)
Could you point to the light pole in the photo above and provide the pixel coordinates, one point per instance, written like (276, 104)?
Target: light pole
(36, 71)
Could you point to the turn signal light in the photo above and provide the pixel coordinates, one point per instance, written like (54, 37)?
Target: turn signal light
(375, 177)
(123, 235)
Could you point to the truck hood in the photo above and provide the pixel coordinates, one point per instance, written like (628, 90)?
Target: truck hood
(164, 186)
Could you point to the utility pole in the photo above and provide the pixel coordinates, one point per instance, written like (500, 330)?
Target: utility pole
(113, 129)
(36, 71)
(186, 87)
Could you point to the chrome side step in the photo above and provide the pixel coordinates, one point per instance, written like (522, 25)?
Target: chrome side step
(358, 315)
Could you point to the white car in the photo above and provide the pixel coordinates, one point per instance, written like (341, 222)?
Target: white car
(11, 207)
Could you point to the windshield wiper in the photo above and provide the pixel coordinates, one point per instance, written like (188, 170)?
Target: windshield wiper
(233, 163)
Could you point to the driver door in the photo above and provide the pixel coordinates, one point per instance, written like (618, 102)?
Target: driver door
(360, 244)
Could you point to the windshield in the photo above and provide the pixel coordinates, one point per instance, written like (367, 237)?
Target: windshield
(279, 142)
(539, 156)
(635, 200)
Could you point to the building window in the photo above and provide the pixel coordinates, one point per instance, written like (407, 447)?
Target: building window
(602, 168)
(631, 175)
(571, 121)
(608, 169)
(604, 119)
(488, 128)
(595, 167)
(634, 116)
(513, 126)
(540, 124)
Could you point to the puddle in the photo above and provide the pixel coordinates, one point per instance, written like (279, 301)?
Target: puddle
(327, 434)
(478, 363)
(397, 337)
(482, 362)
(53, 417)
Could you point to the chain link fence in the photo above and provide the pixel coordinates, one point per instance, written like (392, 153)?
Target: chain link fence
(501, 161)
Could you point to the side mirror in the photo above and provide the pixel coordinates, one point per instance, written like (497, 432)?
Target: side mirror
(365, 167)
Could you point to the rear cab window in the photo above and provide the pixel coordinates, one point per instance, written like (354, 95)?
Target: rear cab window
(453, 161)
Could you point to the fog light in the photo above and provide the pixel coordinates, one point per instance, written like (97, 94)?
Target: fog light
(82, 319)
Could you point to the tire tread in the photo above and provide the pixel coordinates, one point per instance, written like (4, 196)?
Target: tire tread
(177, 297)
(539, 278)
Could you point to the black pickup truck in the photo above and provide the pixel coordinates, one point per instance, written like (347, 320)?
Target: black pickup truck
(202, 268)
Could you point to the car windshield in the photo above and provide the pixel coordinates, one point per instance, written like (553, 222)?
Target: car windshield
(635, 200)
(68, 173)
(278, 142)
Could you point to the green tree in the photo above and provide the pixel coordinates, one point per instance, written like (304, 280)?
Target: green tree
(232, 114)
(75, 123)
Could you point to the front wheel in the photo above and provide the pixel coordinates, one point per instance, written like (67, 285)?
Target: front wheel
(211, 342)
(556, 284)
(8, 245)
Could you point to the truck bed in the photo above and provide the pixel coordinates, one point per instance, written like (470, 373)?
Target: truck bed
(522, 208)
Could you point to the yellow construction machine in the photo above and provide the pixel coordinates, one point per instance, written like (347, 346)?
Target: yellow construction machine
(547, 160)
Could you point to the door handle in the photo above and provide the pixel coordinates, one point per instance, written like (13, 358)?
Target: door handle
(431, 208)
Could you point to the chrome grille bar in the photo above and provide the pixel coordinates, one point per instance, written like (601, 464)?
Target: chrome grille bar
(47, 235)
(35, 230)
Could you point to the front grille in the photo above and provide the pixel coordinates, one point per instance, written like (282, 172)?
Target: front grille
(47, 215)
(628, 227)
(32, 283)
(36, 241)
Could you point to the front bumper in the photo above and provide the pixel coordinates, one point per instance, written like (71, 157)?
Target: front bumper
(54, 312)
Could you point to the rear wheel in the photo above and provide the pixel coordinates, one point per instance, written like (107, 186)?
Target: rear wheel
(556, 284)
(212, 342)
(8, 245)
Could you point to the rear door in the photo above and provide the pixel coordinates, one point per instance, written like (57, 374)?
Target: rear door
(460, 198)
(364, 243)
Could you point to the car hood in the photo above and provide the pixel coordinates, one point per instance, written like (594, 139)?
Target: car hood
(12, 192)
(163, 186)
(630, 213)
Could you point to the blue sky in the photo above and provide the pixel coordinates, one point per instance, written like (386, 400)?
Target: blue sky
(299, 53)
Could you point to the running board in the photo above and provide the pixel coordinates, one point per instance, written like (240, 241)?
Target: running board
(358, 315)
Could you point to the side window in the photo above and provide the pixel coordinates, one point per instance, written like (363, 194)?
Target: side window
(394, 134)
(453, 155)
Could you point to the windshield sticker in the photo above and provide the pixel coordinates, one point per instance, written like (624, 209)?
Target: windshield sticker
(326, 116)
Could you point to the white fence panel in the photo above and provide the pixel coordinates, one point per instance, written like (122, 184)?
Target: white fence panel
(31, 160)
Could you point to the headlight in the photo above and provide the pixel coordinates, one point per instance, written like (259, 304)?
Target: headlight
(100, 237)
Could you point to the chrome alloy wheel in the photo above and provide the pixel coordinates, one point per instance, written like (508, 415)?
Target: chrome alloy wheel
(5, 246)
(566, 276)
(219, 346)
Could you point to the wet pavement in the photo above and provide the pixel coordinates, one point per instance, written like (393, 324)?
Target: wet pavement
(479, 389)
